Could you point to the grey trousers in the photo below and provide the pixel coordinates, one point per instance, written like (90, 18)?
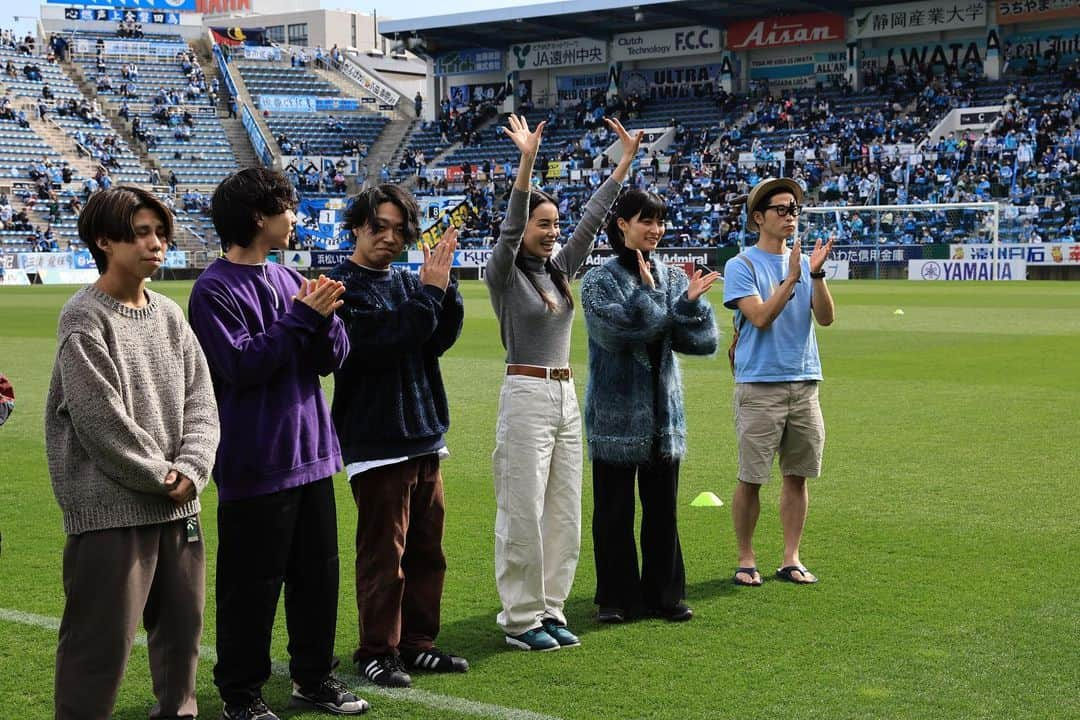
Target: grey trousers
(111, 579)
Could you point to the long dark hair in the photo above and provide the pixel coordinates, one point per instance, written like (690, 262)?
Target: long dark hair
(633, 202)
(558, 278)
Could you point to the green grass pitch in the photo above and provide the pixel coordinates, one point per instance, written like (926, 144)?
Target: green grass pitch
(944, 531)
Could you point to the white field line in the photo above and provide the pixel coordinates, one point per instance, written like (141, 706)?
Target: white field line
(410, 695)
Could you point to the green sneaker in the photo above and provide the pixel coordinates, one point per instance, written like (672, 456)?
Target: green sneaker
(535, 639)
(562, 635)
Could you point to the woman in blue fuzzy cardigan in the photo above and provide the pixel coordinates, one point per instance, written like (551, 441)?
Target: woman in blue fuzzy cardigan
(639, 313)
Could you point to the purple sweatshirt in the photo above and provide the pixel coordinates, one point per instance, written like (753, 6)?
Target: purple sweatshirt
(266, 352)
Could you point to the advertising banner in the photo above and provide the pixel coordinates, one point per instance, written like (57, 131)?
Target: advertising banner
(165, 5)
(67, 277)
(1050, 254)
(14, 277)
(886, 255)
(86, 46)
(493, 92)
(261, 52)
(673, 42)
(948, 270)
(932, 54)
(572, 89)
(468, 62)
(837, 270)
(336, 103)
(366, 80)
(557, 54)
(787, 30)
(287, 103)
(176, 259)
(1009, 12)
(917, 17)
(799, 70)
(1064, 41)
(34, 261)
(143, 17)
(258, 142)
(657, 84)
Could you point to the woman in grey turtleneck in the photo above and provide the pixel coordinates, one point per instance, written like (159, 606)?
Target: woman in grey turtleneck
(537, 458)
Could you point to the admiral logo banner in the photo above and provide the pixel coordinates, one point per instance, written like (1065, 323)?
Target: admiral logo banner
(909, 18)
(788, 30)
(691, 40)
(556, 54)
(1010, 12)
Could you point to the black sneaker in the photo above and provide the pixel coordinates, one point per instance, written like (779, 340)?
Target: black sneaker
(680, 612)
(610, 615)
(255, 710)
(385, 670)
(434, 660)
(332, 696)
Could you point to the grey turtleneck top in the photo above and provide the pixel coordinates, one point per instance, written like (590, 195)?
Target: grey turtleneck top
(531, 333)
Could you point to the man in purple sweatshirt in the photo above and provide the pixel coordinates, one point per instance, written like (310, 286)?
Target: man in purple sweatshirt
(268, 335)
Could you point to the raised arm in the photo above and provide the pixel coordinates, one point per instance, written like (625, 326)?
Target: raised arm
(500, 267)
(571, 257)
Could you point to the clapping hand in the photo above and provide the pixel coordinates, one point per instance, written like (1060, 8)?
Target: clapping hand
(820, 254)
(437, 263)
(646, 275)
(795, 261)
(700, 284)
(322, 295)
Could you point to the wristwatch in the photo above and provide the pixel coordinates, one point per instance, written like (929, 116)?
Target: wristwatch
(819, 275)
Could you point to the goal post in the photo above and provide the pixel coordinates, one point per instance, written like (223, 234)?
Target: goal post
(879, 240)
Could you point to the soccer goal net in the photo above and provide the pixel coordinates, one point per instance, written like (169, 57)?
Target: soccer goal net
(918, 242)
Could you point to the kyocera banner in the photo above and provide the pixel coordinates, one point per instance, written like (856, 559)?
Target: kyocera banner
(787, 30)
(692, 40)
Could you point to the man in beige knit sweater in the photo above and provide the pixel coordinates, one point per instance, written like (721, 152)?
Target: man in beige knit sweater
(131, 428)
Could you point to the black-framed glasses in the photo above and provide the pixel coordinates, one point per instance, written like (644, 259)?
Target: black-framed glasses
(782, 210)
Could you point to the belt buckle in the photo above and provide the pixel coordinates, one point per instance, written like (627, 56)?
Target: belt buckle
(559, 373)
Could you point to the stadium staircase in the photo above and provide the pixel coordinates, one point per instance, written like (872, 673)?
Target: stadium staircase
(233, 127)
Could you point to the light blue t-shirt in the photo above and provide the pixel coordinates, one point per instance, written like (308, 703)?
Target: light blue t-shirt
(787, 350)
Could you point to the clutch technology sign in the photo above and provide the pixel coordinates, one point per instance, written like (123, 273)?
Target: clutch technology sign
(691, 40)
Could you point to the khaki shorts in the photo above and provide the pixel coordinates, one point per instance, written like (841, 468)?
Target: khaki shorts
(780, 416)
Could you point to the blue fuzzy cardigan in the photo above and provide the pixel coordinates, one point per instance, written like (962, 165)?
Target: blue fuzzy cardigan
(623, 317)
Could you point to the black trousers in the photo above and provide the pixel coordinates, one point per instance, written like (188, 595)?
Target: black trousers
(286, 538)
(662, 580)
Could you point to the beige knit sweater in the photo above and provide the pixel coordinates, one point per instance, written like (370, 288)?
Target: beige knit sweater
(130, 399)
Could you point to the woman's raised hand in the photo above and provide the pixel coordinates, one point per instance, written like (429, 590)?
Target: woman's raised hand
(630, 143)
(527, 142)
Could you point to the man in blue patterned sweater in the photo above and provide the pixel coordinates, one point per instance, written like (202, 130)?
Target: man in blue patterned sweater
(391, 414)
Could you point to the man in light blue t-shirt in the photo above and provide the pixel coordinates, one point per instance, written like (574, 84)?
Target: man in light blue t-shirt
(776, 294)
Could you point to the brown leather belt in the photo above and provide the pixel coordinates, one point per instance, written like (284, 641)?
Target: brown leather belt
(540, 372)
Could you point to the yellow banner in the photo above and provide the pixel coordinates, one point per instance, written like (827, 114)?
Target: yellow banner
(456, 217)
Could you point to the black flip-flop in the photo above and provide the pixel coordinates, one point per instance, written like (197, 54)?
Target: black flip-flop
(785, 573)
(751, 571)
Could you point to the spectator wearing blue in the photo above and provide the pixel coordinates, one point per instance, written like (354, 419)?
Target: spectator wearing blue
(777, 294)
(639, 312)
(537, 458)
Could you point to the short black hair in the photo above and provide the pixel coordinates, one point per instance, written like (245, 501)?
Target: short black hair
(364, 207)
(244, 196)
(633, 202)
(110, 214)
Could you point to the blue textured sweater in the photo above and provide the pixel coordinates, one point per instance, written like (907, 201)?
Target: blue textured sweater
(626, 410)
(389, 399)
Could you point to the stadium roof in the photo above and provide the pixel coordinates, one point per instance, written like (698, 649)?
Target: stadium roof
(598, 19)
